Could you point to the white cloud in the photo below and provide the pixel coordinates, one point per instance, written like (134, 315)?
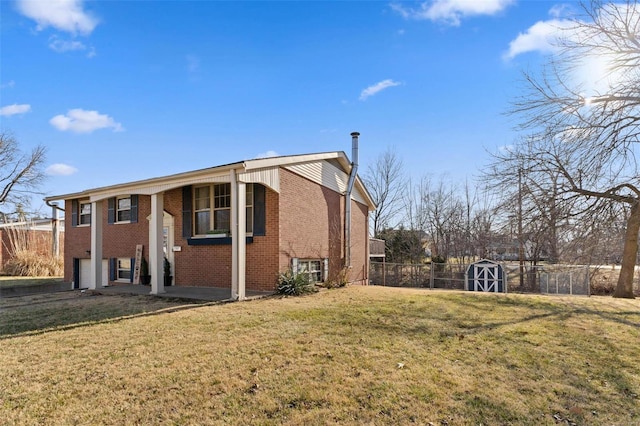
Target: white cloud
(64, 15)
(378, 87)
(61, 46)
(9, 84)
(451, 11)
(268, 154)
(595, 72)
(541, 37)
(60, 169)
(15, 109)
(82, 121)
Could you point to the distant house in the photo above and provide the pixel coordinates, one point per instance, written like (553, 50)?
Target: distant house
(35, 235)
(233, 226)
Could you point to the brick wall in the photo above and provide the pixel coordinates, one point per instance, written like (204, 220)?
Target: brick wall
(305, 220)
(118, 239)
(77, 242)
(210, 266)
(312, 226)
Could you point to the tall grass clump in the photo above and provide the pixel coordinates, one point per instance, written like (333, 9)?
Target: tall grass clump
(28, 254)
(291, 284)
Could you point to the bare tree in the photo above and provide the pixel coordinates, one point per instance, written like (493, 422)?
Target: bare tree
(385, 182)
(585, 130)
(20, 173)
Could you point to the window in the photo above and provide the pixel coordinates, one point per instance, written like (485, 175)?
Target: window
(222, 207)
(249, 209)
(123, 272)
(85, 213)
(123, 209)
(215, 217)
(313, 268)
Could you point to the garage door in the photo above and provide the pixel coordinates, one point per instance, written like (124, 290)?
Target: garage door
(85, 273)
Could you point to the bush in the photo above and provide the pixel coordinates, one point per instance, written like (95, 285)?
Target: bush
(31, 264)
(27, 256)
(291, 284)
(340, 280)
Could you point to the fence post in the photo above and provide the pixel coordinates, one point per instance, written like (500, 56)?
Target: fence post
(571, 283)
(384, 272)
(431, 276)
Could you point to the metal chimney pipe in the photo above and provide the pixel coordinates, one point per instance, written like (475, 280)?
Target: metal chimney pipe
(347, 199)
(354, 148)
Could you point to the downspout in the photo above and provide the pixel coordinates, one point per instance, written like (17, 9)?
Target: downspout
(55, 228)
(347, 199)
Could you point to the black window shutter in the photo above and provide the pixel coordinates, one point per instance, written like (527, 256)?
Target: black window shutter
(134, 209)
(76, 272)
(187, 202)
(113, 268)
(74, 212)
(133, 268)
(111, 210)
(259, 210)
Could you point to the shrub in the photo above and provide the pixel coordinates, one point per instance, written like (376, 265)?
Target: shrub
(31, 264)
(26, 255)
(340, 280)
(291, 284)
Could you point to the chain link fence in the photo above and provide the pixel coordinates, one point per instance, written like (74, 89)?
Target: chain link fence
(540, 279)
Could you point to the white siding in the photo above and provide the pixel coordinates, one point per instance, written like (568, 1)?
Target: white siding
(269, 177)
(327, 175)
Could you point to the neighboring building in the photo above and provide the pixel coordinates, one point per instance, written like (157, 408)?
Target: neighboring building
(35, 235)
(290, 212)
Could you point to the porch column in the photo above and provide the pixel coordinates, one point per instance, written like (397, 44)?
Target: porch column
(234, 233)
(238, 237)
(156, 256)
(242, 239)
(96, 245)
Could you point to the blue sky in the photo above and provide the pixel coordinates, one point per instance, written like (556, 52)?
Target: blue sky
(127, 90)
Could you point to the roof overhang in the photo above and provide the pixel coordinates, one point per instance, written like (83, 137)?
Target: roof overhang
(254, 170)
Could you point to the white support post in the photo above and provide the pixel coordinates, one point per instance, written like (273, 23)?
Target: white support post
(242, 239)
(55, 231)
(234, 236)
(96, 245)
(156, 256)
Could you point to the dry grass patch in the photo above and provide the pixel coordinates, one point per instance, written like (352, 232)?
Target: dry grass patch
(367, 355)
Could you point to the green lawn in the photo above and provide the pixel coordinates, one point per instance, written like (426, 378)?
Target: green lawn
(25, 281)
(358, 355)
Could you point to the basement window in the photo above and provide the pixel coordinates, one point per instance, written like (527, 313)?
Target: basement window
(123, 272)
(315, 269)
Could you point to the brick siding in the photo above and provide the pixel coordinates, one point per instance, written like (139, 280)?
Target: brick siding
(304, 221)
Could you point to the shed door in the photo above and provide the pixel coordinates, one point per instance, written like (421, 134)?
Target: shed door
(486, 277)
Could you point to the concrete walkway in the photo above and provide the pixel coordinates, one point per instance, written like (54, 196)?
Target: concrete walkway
(180, 292)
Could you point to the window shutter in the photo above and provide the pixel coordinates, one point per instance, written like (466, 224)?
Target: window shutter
(187, 202)
(76, 272)
(111, 210)
(74, 212)
(134, 208)
(113, 268)
(294, 265)
(133, 268)
(325, 269)
(259, 210)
